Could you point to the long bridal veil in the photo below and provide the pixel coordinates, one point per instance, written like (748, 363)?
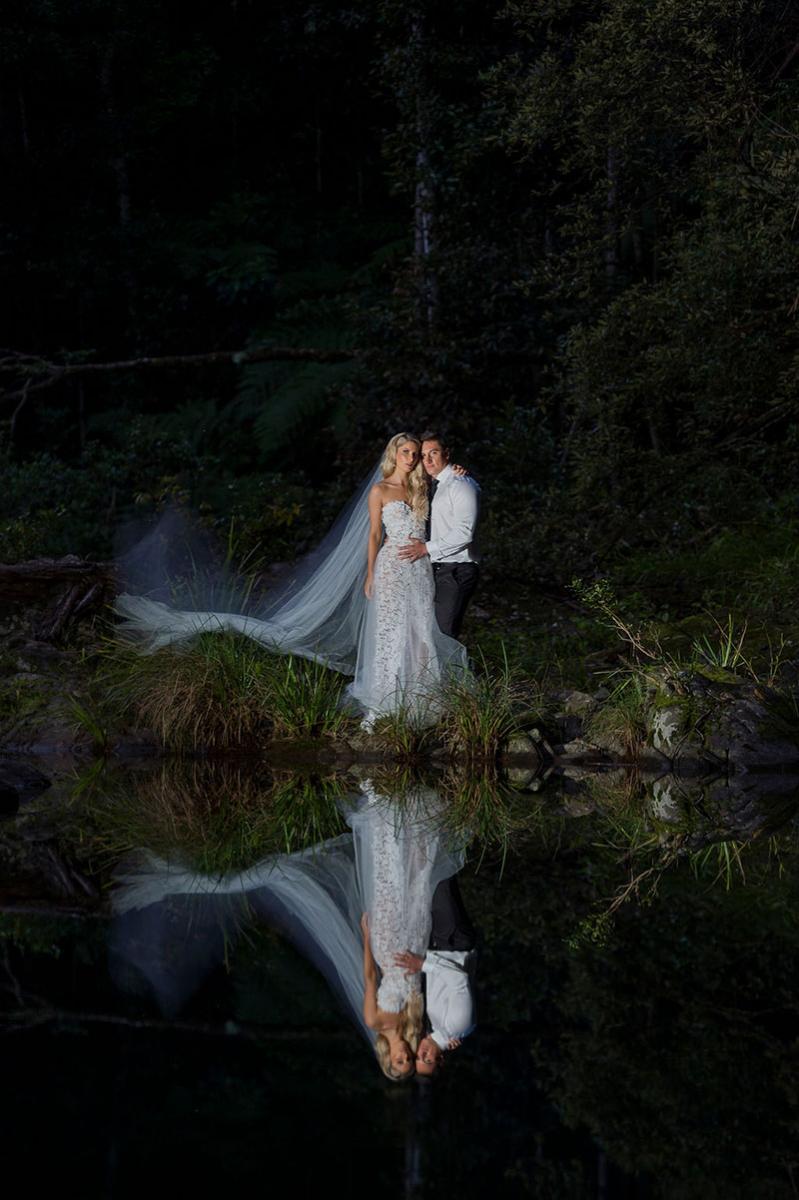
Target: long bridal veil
(311, 897)
(316, 612)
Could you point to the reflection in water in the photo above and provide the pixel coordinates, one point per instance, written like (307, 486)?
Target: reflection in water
(402, 855)
(449, 966)
(359, 906)
(645, 1048)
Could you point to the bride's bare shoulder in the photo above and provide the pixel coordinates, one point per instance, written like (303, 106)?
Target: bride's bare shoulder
(380, 491)
(376, 500)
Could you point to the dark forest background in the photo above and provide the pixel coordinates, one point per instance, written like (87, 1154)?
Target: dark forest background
(564, 231)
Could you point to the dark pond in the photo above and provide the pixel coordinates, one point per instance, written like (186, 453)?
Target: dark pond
(182, 982)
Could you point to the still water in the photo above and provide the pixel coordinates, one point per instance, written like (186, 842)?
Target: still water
(190, 998)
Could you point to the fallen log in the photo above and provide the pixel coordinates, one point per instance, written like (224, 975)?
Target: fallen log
(74, 588)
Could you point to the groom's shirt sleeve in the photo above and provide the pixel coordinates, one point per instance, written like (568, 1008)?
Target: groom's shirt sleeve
(464, 497)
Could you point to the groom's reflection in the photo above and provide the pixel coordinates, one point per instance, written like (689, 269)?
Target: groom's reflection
(448, 970)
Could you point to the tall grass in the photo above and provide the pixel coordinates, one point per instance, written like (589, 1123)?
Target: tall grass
(304, 698)
(623, 716)
(220, 691)
(407, 733)
(725, 651)
(482, 710)
(208, 694)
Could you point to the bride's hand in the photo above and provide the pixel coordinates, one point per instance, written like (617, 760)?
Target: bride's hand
(459, 470)
(365, 924)
(368, 587)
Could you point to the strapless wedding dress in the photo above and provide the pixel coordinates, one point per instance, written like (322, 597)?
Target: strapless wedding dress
(399, 663)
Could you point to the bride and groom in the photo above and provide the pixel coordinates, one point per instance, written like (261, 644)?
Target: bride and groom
(384, 595)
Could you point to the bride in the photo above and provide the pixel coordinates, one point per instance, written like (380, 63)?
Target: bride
(352, 604)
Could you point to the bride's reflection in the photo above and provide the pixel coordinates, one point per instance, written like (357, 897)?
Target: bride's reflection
(402, 854)
(372, 909)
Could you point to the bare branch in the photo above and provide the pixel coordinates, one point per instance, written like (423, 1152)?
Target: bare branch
(42, 373)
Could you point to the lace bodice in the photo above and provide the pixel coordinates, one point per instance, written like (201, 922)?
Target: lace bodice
(401, 522)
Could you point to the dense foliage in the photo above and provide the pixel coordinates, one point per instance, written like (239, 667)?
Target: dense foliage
(565, 230)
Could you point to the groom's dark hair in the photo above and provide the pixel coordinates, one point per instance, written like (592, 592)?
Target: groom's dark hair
(432, 435)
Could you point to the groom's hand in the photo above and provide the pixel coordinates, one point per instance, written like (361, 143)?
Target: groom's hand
(411, 962)
(414, 549)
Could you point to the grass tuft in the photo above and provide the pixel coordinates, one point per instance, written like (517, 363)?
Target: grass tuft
(221, 691)
(483, 710)
(304, 698)
(622, 718)
(214, 817)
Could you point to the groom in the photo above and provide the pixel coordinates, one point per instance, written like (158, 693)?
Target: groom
(449, 536)
(448, 967)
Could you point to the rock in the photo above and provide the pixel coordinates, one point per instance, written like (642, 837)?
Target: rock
(578, 806)
(22, 779)
(581, 748)
(521, 743)
(668, 799)
(520, 777)
(748, 735)
(570, 726)
(714, 716)
(669, 728)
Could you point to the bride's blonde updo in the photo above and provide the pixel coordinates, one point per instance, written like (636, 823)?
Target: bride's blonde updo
(409, 1026)
(417, 481)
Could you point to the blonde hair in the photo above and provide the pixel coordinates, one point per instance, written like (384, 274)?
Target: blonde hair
(409, 1026)
(417, 482)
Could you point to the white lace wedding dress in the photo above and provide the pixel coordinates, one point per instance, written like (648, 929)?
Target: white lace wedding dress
(402, 652)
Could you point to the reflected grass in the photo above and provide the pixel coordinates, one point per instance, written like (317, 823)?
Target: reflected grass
(214, 817)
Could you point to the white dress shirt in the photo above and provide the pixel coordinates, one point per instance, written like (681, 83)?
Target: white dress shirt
(453, 517)
(450, 1004)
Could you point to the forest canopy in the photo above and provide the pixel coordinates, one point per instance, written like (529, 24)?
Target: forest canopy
(564, 231)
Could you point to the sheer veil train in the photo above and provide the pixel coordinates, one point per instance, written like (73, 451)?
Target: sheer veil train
(318, 612)
(311, 896)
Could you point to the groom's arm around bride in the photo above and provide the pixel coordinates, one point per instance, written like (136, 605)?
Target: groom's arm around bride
(450, 534)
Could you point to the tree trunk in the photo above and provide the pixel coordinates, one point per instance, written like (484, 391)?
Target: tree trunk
(611, 217)
(74, 587)
(424, 215)
(119, 160)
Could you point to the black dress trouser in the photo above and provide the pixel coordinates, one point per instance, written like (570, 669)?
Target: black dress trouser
(452, 929)
(455, 584)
